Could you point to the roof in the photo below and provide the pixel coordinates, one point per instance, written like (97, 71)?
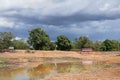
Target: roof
(87, 50)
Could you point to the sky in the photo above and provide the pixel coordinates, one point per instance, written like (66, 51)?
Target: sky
(96, 19)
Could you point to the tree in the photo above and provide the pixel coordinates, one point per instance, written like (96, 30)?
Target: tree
(39, 39)
(20, 44)
(108, 45)
(119, 46)
(52, 46)
(6, 39)
(83, 42)
(115, 46)
(97, 45)
(63, 43)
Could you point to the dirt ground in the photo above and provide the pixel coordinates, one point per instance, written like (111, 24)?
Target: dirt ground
(102, 74)
(105, 74)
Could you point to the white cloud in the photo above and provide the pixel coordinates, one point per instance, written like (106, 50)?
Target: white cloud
(18, 38)
(61, 8)
(105, 7)
(6, 23)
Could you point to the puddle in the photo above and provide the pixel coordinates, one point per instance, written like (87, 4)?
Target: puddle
(49, 68)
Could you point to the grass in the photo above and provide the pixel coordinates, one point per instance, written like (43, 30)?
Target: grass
(3, 61)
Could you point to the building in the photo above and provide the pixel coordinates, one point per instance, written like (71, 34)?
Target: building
(87, 50)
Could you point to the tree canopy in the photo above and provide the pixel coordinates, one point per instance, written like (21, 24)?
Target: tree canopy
(83, 42)
(39, 39)
(20, 44)
(110, 45)
(6, 40)
(63, 43)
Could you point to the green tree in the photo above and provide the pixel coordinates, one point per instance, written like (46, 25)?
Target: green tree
(83, 42)
(20, 44)
(63, 43)
(52, 46)
(115, 45)
(118, 45)
(97, 45)
(108, 45)
(39, 39)
(1, 44)
(6, 39)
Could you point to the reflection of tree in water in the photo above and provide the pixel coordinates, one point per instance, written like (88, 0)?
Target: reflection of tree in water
(73, 67)
(48, 69)
(41, 71)
(67, 67)
(44, 70)
(63, 67)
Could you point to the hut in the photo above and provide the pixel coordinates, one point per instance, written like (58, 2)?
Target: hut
(87, 50)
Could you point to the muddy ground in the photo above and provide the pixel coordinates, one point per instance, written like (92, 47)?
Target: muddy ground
(22, 56)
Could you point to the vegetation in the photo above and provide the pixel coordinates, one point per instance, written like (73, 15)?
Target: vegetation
(52, 46)
(97, 46)
(110, 45)
(83, 42)
(20, 44)
(3, 61)
(39, 40)
(6, 40)
(63, 43)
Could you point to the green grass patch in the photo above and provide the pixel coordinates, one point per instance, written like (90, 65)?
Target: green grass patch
(3, 61)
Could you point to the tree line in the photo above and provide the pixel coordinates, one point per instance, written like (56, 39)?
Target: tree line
(39, 40)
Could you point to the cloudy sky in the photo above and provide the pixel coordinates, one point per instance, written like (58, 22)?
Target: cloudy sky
(96, 19)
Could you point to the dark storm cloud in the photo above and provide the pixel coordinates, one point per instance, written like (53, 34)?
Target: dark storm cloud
(37, 18)
(80, 17)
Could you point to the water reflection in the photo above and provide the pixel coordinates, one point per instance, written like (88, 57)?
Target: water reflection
(41, 71)
(46, 70)
(11, 74)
